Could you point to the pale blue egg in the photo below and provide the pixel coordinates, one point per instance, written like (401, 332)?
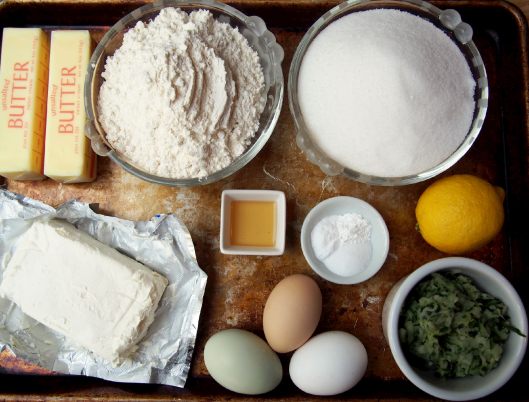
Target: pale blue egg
(242, 362)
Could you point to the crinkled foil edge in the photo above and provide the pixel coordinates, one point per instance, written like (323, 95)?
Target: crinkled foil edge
(164, 356)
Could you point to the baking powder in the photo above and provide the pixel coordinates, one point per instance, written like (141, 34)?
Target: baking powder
(183, 95)
(386, 93)
(343, 243)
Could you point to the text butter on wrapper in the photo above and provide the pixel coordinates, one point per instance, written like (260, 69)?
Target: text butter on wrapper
(24, 84)
(68, 157)
(85, 290)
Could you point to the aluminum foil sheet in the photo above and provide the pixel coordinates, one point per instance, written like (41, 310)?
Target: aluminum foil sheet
(162, 243)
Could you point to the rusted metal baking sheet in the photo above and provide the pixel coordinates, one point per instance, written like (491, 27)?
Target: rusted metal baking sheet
(239, 285)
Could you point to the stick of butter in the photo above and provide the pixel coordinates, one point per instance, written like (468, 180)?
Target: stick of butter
(69, 157)
(85, 290)
(24, 85)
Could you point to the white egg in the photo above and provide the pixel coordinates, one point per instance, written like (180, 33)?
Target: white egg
(329, 363)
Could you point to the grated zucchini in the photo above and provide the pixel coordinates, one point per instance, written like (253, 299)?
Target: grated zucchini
(450, 326)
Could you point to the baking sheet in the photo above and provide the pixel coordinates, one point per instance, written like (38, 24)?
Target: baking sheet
(239, 285)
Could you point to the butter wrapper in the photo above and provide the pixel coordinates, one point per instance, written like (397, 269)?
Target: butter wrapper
(163, 244)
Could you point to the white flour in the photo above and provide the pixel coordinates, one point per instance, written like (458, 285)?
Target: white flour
(343, 243)
(183, 95)
(386, 93)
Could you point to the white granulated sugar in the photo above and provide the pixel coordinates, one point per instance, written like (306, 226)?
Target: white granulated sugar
(183, 95)
(386, 93)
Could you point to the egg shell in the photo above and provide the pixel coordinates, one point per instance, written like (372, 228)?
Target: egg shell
(242, 362)
(292, 313)
(329, 364)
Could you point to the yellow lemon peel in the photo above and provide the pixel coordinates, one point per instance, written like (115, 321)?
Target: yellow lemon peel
(460, 213)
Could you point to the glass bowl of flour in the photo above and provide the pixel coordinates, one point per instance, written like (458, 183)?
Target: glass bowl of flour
(184, 93)
(387, 92)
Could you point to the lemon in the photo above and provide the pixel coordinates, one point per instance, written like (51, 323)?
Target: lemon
(460, 213)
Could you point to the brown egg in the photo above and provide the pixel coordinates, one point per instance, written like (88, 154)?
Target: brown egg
(292, 313)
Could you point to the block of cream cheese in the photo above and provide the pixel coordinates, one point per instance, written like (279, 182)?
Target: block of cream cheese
(89, 292)
(69, 157)
(24, 83)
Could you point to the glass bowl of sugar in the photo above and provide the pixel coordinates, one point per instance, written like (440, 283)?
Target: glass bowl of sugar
(387, 92)
(184, 93)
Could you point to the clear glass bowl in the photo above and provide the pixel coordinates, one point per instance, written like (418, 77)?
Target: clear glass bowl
(252, 28)
(449, 22)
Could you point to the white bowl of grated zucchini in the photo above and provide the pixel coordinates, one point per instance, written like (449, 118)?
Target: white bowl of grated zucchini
(463, 354)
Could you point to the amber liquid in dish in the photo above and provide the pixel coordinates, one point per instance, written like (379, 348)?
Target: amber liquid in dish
(253, 223)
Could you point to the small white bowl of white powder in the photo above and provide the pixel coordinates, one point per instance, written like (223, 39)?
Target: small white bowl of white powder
(345, 240)
(184, 93)
(387, 92)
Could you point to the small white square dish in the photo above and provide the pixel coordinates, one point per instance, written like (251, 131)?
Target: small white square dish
(252, 222)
